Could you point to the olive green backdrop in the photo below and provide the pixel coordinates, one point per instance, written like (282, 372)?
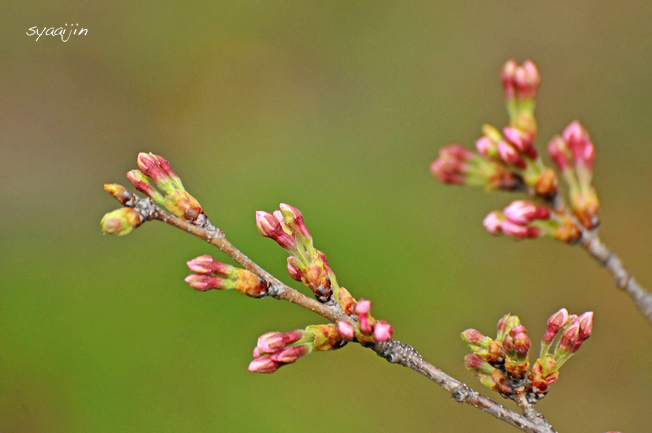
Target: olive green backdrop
(337, 108)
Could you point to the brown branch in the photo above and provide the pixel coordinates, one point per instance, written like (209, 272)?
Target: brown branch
(607, 259)
(407, 356)
(393, 351)
(622, 278)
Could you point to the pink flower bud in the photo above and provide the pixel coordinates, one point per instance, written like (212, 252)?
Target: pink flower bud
(586, 325)
(510, 156)
(521, 140)
(365, 325)
(579, 144)
(165, 166)
(208, 265)
(294, 219)
(555, 323)
(293, 336)
(148, 165)
(264, 365)
(294, 268)
(207, 282)
(363, 306)
(521, 341)
(139, 181)
(257, 353)
(486, 147)
(346, 330)
(456, 151)
(516, 231)
(271, 342)
(493, 222)
(290, 354)
(558, 150)
(524, 212)
(527, 79)
(473, 362)
(570, 337)
(447, 171)
(507, 75)
(270, 227)
(475, 338)
(383, 331)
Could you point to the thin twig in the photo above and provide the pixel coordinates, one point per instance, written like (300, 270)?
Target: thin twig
(622, 278)
(393, 351)
(607, 259)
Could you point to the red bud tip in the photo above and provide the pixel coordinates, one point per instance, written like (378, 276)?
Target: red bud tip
(148, 165)
(264, 365)
(474, 362)
(521, 140)
(270, 227)
(363, 306)
(558, 150)
(580, 145)
(570, 336)
(346, 330)
(383, 331)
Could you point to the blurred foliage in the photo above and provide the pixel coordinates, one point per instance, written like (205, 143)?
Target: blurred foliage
(336, 108)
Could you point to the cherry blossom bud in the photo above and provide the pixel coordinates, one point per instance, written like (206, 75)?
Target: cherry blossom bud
(487, 148)
(559, 152)
(510, 156)
(363, 306)
(521, 341)
(346, 330)
(516, 231)
(555, 323)
(208, 265)
(121, 221)
(524, 212)
(165, 166)
(207, 282)
(271, 342)
(148, 165)
(473, 362)
(294, 219)
(493, 222)
(264, 365)
(270, 227)
(290, 354)
(527, 79)
(586, 325)
(383, 331)
(294, 268)
(140, 182)
(475, 338)
(365, 325)
(507, 75)
(521, 140)
(570, 337)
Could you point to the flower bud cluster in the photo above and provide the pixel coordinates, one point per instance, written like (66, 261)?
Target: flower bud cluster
(174, 198)
(502, 363)
(276, 349)
(524, 219)
(306, 263)
(521, 84)
(211, 274)
(368, 329)
(574, 154)
(459, 165)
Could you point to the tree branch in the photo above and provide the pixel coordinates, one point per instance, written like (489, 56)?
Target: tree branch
(393, 351)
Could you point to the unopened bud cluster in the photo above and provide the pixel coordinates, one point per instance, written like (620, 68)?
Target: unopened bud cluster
(502, 364)
(507, 160)
(211, 274)
(276, 349)
(174, 198)
(367, 328)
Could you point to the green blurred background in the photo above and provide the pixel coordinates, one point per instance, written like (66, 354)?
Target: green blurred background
(337, 108)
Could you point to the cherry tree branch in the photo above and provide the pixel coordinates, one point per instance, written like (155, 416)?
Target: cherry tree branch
(393, 351)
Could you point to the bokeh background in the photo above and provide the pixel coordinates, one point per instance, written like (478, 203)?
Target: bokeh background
(337, 108)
